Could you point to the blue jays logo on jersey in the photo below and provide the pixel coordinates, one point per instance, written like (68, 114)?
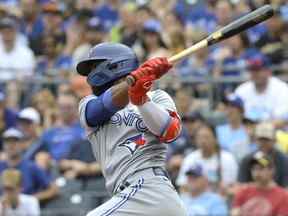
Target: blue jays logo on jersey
(132, 143)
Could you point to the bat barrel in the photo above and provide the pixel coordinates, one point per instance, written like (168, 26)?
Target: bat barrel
(261, 14)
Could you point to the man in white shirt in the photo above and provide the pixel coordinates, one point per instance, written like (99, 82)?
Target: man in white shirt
(17, 60)
(13, 203)
(265, 97)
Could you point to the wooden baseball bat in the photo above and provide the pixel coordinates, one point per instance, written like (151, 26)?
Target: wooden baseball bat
(249, 20)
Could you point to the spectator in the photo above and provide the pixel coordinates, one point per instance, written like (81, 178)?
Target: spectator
(108, 12)
(127, 31)
(236, 51)
(53, 20)
(199, 200)
(198, 64)
(8, 116)
(45, 103)
(219, 166)
(263, 196)
(80, 162)
(28, 122)
(151, 39)
(184, 144)
(32, 24)
(13, 202)
(16, 60)
(265, 96)
(53, 62)
(34, 181)
(224, 12)
(265, 139)
(95, 33)
(271, 42)
(233, 136)
(58, 140)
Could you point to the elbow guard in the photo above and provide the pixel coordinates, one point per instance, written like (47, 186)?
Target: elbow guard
(172, 129)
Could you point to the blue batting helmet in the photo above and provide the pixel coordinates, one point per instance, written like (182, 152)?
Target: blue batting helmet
(106, 63)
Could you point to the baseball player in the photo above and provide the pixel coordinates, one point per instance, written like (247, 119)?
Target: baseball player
(128, 127)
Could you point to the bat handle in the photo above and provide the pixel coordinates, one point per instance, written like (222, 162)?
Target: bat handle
(175, 58)
(130, 80)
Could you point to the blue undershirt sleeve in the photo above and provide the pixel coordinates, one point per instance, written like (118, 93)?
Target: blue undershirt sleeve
(100, 110)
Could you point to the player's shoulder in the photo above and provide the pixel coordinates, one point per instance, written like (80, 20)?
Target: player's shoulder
(87, 98)
(83, 102)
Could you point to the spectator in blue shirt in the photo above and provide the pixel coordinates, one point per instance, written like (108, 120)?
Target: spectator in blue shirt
(58, 140)
(8, 116)
(199, 200)
(233, 136)
(34, 180)
(108, 13)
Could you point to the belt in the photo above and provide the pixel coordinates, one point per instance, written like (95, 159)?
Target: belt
(156, 171)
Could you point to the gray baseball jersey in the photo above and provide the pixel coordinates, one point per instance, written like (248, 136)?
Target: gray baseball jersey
(115, 142)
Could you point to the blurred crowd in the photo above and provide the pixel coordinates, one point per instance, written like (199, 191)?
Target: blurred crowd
(232, 154)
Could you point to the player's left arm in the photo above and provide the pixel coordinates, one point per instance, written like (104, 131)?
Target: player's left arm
(160, 116)
(158, 113)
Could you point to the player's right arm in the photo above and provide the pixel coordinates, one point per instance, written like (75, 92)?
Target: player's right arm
(95, 111)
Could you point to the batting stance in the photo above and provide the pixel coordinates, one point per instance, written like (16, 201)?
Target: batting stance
(128, 127)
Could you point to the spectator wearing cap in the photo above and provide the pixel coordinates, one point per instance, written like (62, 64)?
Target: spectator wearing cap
(233, 136)
(199, 199)
(95, 32)
(28, 123)
(151, 40)
(13, 202)
(265, 139)
(265, 97)
(17, 60)
(219, 166)
(263, 196)
(34, 180)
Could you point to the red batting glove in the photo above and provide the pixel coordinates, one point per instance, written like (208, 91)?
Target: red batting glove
(156, 67)
(137, 92)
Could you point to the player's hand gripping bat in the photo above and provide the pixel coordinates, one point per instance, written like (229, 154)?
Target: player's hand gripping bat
(251, 19)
